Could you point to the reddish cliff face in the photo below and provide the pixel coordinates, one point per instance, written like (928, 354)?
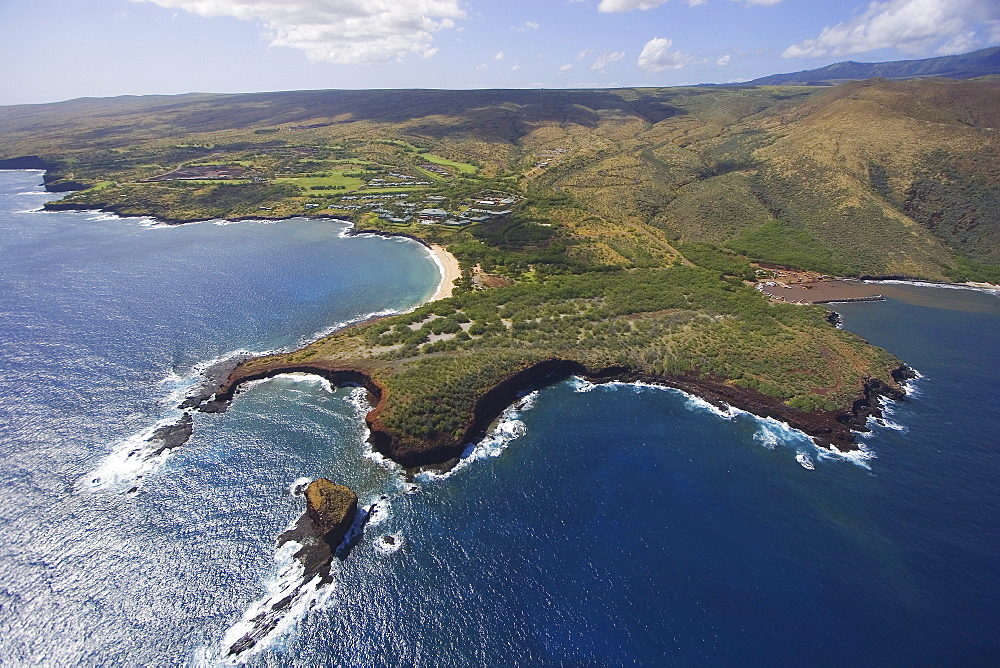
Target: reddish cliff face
(829, 428)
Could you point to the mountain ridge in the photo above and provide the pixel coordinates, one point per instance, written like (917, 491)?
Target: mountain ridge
(983, 62)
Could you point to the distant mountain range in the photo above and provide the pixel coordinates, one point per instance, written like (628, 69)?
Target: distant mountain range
(964, 66)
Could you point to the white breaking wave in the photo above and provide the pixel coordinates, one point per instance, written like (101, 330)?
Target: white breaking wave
(770, 432)
(337, 326)
(298, 486)
(888, 424)
(260, 221)
(307, 379)
(913, 385)
(442, 270)
(387, 547)
(805, 460)
(931, 284)
(726, 412)
(693, 402)
(859, 457)
(286, 583)
(179, 386)
(358, 398)
(887, 412)
(383, 461)
(130, 460)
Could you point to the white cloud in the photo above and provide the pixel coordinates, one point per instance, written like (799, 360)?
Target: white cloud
(916, 27)
(606, 59)
(481, 66)
(766, 3)
(527, 25)
(612, 6)
(499, 56)
(515, 68)
(339, 31)
(696, 3)
(565, 68)
(583, 54)
(725, 60)
(656, 56)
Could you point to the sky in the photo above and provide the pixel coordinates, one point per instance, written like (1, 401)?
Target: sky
(56, 50)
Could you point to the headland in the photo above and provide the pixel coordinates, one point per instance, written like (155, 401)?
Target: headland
(829, 429)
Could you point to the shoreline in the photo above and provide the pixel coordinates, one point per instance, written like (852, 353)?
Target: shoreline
(838, 290)
(447, 264)
(450, 271)
(832, 430)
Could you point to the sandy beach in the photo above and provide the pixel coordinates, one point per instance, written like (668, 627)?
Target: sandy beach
(450, 271)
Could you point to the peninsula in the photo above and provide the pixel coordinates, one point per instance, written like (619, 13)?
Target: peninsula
(612, 234)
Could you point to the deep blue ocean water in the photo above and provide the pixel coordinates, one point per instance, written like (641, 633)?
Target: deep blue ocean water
(603, 525)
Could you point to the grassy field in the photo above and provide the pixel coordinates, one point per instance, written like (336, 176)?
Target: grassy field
(335, 179)
(461, 167)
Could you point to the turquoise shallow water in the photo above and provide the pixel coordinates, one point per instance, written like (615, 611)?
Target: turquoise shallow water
(603, 526)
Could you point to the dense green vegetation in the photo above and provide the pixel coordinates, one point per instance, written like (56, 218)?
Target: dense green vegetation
(436, 360)
(778, 242)
(711, 257)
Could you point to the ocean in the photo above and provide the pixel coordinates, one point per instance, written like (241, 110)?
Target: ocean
(598, 525)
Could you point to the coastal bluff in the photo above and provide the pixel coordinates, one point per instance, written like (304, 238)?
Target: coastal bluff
(830, 429)
(331, 511)
(440, 375)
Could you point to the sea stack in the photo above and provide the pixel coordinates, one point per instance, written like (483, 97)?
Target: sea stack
(330, 512)
(331, 508)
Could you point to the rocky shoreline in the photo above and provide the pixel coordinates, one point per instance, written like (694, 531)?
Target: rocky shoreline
(829, 429)
(323, 532)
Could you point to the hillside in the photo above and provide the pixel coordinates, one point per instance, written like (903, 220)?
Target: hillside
(609, 233)
(983, 62)
(868, 178)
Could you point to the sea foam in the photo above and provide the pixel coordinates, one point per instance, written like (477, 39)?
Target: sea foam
(931, 284)
(770, 432)
(130, 460)
(286, 583)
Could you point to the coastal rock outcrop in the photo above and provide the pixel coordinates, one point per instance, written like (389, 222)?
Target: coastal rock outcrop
(331, 515)
(170, 436)
(332, 509)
